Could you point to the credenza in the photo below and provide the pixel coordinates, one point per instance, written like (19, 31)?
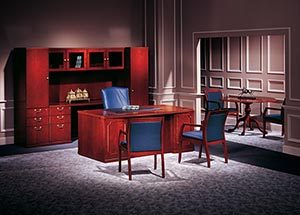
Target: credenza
(44, 76)
(98, 129)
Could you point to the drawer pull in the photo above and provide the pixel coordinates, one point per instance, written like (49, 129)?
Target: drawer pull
(38, 128)
(37, 119)
(60, 117)
(60, 126)
(38, 110)
(60, 108)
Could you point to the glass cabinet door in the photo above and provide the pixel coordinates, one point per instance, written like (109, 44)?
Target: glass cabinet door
(57, 59)
(96, 59)
(66, 59)
(76, 59)
(115, 58)
(112, 58)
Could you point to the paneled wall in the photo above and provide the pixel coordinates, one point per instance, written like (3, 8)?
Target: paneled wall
(256, 62)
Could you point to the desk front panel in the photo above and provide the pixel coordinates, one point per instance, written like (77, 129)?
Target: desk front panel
(98, 136)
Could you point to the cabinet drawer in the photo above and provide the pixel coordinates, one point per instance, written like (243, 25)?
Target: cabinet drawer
(37, 120)
(60, 132)
(59, 119)
(60, 110)
(37, 135)
(33, 112)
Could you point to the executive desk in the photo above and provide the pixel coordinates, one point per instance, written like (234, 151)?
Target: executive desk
(247, 101)
(98, 129)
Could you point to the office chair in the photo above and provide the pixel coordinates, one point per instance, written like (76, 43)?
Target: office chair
(211, 132)
(144, 137)
(277, 117)
(115, 97)
(213, 101)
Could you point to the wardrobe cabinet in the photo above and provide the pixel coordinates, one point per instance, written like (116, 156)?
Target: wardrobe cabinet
(44, 76)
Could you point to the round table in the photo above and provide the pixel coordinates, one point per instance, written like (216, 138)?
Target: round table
(247, 100)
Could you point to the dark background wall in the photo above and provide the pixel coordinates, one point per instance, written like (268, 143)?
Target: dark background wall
(62, 23)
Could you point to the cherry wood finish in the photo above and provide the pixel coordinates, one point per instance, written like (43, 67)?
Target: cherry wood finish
(247, 119)
(44, 76)
(98, 130)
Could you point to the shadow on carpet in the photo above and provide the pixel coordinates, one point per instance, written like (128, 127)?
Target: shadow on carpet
(259, 157)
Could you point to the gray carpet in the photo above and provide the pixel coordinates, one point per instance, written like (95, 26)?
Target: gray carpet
(63, 182)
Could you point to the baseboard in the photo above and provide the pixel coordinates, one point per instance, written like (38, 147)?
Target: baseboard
(6, 140)
(291, 150)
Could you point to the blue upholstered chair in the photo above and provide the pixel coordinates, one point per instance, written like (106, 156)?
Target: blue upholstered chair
(276, 116)
(211, 132)
(115, 97)
(144, 137)
(213, 101)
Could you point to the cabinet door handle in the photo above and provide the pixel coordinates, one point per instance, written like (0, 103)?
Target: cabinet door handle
(60, 126)
(37, 128)
(60, 108)
(37, 119)
(60, 117)
(38, 110)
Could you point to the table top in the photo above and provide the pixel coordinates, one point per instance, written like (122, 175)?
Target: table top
(249, 99)
(150, 110)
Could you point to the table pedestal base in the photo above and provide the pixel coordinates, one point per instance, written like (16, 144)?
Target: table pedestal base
(247, 119)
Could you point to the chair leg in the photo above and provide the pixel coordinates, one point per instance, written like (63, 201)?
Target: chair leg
(200, 150)
(179, 151)
(264, 128)
(155, 161)
(207, 155)
(162, 165)
(225, 152)
(120, 159)
(129, 168)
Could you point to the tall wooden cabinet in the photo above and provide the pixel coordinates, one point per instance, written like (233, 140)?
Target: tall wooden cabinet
(44, 76)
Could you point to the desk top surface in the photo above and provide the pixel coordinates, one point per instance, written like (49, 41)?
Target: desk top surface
(151, 110)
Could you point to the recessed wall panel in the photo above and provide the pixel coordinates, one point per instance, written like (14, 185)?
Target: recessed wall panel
(216, 81)
(216, 54)
(276, 57)
(234, 83)
(277, 86)
(234, 54)
(254, 84)
(254, 54)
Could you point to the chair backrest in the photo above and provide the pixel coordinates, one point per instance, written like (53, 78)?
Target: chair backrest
(214, 125)
(146, 135)
(213, 98)
(115, 97)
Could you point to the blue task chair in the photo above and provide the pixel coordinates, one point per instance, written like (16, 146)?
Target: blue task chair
(213, 101)
(211, 132)
(277, 117)
(144, 137)
(115, 97)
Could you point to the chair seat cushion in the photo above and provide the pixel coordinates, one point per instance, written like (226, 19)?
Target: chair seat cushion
(193, 134)
(274, 118)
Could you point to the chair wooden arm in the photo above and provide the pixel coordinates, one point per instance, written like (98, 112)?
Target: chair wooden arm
(271, 108)
(191, 125)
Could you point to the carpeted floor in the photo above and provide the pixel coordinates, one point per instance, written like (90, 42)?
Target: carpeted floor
(257, 180)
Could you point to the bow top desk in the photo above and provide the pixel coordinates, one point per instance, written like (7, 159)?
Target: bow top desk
(247, 101)
(98, 129)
